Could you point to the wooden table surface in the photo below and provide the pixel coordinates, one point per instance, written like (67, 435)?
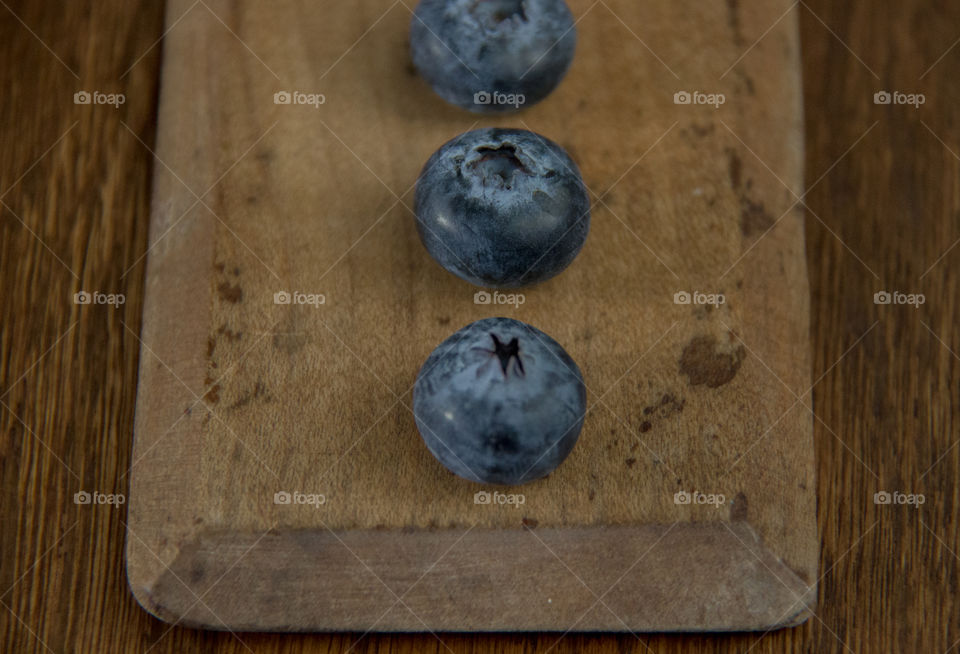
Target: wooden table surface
(883, 214)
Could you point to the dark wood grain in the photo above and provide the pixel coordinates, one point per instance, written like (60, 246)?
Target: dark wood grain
(886, 402)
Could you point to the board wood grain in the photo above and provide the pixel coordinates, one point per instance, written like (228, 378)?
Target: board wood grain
(242, 398)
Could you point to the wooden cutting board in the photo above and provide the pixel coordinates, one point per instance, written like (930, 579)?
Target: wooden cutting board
(245, 403)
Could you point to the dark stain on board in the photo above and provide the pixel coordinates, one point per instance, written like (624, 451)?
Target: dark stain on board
(259, 391)
(228, 333)
(704, 362)
(212, 396)
(668, 404)
(754, 217)
(733, 20)
(230, 292)
(197, 573)
(738, 510)
(702, 131)
(734, 169)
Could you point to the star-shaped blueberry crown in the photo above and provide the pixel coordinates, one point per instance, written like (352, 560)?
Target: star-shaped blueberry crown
(507, 352)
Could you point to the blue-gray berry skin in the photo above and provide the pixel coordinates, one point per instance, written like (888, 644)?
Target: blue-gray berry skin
(502, 208)
(499, 402)
(470, 50)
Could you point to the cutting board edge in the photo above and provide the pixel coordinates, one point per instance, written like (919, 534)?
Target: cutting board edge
(248, 562)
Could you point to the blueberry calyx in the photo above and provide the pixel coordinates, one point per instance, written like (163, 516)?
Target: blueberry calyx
(494, 12)
(498, 163)
(507, 352)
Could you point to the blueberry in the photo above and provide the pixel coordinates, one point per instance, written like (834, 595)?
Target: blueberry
(492, 56)
(499, 402)
(502, 207)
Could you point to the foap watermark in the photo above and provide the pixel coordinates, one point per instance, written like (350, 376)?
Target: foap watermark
(514, 100)
(696, 497)
(485, 297)
(98, 97)
(496, 497)
(296, 297)
(699, 97)
(899, 97)
(296, 497)
(898, 498)
(298, 97)
(682, 297)
(98, 498)
(96, 297)
(896, 297)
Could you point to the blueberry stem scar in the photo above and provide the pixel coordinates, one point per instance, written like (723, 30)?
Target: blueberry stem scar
(506, 352)
(504, 9)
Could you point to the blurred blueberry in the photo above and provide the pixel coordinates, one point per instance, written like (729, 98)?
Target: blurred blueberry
(502, 207)
(499, 402)
(492, 56)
